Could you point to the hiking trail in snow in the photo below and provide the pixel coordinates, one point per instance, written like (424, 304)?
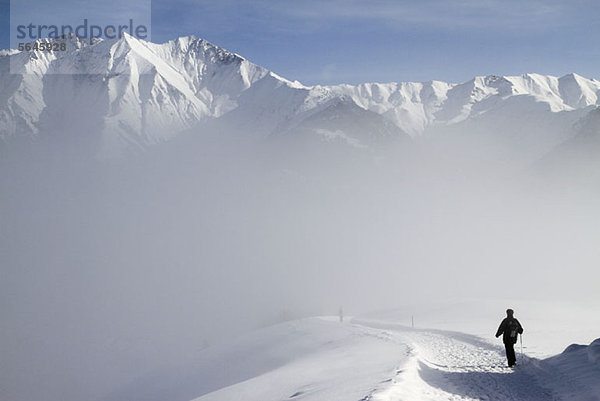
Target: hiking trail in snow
(456, 366)
(320, 359)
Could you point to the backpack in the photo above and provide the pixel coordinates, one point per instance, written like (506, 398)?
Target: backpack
(513, 328)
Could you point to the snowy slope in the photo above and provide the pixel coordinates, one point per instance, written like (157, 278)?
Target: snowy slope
(136, 93)
(342, 121)
(576, 160)
(129, 93)
(322, 359)
(380, 357)
(414, 106)
(581, 366)
(313, 358)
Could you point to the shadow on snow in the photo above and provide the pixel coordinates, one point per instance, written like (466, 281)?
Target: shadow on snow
(486, 385)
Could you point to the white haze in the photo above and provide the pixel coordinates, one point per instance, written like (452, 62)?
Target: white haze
(113, 272)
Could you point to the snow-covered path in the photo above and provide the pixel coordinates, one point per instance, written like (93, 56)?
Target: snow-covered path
(455, 366)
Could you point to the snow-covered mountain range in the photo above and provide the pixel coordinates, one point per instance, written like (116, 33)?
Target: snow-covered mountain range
(130, 93)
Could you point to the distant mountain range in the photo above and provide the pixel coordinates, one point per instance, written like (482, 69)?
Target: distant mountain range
(126, 94)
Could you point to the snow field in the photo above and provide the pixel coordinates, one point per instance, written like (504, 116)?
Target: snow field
(448, 366)
(336, 362)
(370, 360)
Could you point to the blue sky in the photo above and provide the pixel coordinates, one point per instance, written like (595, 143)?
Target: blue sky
(333, 41)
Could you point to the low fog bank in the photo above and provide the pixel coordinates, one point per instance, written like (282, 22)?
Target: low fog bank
(550, 325)
(115, 271)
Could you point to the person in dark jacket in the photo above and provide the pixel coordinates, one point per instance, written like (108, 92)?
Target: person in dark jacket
(509, 329)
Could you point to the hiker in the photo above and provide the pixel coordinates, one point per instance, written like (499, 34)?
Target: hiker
(510, 328)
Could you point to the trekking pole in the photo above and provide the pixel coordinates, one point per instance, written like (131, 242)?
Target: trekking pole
(521, 339)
